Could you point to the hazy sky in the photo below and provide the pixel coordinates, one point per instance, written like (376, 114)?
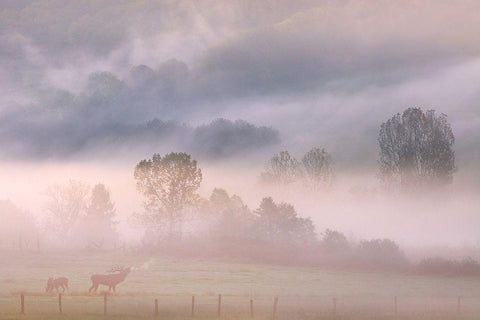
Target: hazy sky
(77, 74)
(112, 82)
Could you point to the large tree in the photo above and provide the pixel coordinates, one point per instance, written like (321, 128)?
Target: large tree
(416, 149)
(169, 185)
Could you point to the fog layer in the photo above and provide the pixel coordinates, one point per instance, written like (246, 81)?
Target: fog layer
(88, 89)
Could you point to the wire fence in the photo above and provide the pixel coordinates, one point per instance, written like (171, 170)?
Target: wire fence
(244, 307)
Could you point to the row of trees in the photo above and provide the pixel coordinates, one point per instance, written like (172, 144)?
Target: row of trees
(415, 152)
(81, 215)
(314, 169)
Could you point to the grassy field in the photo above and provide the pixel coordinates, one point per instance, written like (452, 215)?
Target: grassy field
(303, 293)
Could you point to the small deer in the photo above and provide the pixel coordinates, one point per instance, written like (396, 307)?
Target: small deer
(61, 282)
(110, 280)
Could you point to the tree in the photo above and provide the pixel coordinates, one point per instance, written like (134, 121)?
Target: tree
(282, 168)
(233, 218)
(416, 149)
(98, 226)
(381, 254)
(169, 185)
(280, 223)
(334, 241)
(18, 228)
(66, 205)
(317, 167)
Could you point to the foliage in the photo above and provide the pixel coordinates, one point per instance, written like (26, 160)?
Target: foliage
(101, 205)
(380, 254)
(416, 149)
(169, 185)
(234, 219)
(223, 137)
(280, 223)
(441, 266)
(98, 226)
(334, 241)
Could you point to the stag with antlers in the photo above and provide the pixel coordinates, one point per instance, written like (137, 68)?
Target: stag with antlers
(118, 274)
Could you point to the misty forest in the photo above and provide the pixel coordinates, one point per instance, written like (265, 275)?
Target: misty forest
(239, 159)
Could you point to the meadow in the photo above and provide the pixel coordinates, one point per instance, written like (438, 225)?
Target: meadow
(303, 292)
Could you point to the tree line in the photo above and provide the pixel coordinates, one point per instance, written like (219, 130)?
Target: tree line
(415, 151)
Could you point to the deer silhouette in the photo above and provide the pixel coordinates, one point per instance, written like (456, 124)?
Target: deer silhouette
(61, 282)
(110, 280)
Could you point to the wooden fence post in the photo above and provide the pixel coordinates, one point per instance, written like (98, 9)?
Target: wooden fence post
(275, 303)
(219, 313)
(104, 303)
(60, 303)
(193, 306)
(22, 303)
(334, 307)
(251, 308)
(395, 301)
(156, 307)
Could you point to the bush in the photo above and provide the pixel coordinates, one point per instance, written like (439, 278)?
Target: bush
(380, 254)
(441, 266)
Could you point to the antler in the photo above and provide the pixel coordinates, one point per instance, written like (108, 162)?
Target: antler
(117, 268)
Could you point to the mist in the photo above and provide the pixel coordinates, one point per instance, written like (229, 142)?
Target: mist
(101, 101)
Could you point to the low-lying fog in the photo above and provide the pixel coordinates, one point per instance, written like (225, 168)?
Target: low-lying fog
(89, 91)
(355, 205)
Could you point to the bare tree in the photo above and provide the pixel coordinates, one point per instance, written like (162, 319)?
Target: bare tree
(416, 149)
(66, 205)
(282, 168)
(317, 167)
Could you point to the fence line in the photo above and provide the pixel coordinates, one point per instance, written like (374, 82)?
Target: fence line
(335, 310)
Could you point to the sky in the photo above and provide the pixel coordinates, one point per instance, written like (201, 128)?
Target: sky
(89, 88)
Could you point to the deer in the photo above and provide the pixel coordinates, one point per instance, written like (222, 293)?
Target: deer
(61, 282)
(110, 280)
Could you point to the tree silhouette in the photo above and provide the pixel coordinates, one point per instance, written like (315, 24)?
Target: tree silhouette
(169, 185)
(99, 226)
(317, 168)
(280, 223)
(282, 168)
(65, 206)
(416, 149)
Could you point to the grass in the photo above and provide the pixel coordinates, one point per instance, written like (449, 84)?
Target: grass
(304, 293)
